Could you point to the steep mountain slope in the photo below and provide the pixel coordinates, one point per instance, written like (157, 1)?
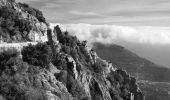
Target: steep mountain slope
(152, 79)
(61, 68)
(139, 67)
(64, 71)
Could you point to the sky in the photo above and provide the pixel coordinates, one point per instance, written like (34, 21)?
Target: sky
(142, 26)
(120, 12)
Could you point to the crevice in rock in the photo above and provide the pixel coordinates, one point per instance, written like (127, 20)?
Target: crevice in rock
(96, 93)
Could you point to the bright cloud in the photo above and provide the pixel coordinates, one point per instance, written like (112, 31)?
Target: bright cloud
(82, 13)
(108, 34)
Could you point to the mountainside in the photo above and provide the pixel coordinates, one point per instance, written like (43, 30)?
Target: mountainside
(58, 67)
(139, 67)
(65, 71)
(152, 79)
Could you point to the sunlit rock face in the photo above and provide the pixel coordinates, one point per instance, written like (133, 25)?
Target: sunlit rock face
(40, 34)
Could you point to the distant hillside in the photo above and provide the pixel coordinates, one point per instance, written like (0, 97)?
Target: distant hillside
(139, 67)
(157, 88)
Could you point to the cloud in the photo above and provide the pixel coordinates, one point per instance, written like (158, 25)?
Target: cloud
(109, 34)
(82, 13)
(121, 12)
(52, 5)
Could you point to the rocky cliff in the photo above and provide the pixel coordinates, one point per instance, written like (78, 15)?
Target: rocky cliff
(21, 23)
(62, 69)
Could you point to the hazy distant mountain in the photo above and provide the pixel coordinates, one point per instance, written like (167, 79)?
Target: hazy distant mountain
(139, 67)
(156, 87)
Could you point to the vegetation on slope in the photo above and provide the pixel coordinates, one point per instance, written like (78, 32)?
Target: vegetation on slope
(13, 26)
(35, 12)
(66, 74)
(47, 72)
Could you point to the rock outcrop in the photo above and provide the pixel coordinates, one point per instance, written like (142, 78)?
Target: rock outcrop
(23, 28)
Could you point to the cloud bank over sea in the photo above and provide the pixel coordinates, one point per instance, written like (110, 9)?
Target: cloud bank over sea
(149, 42)
(108, 34)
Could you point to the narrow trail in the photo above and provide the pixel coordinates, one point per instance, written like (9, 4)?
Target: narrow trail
(18, 46)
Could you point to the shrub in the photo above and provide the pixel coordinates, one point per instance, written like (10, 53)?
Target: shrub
(38, 55)
(39, 15)
(5, 57)
(75, 88)
(35, 12)
(11, 24)
(58, 32)
(59, 61)
(66, 49)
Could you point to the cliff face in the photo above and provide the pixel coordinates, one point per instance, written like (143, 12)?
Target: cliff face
(62, 69)
(21, 23)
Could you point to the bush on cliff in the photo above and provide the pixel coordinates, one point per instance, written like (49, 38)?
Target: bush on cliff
(13, 73)
(5, 56)
(71, 45)
(35, 12)
(12, 25)
(38, 55)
